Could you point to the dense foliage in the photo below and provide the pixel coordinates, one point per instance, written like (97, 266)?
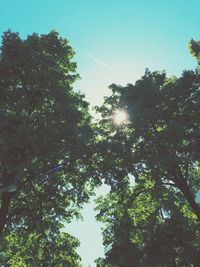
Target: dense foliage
(155, 222)
(46, 136)
(148, 225)
(52, 156)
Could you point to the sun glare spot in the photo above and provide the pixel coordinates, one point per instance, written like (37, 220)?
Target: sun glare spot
(120, 116)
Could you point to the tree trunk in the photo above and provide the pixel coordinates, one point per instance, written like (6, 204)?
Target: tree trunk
(182, 184)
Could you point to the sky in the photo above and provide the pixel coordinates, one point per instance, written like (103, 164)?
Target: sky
(114, 41)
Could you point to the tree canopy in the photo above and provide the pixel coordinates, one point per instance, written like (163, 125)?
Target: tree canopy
(146, 148)
(46, 140)
(154, 222)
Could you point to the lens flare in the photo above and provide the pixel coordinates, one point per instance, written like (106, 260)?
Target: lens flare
(120, 116)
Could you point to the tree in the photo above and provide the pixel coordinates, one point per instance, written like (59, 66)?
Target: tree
(158, 143)
(46, 138)
(194, 47)
(36, 221)
(148, 226)
(33, 249)
(163, 130)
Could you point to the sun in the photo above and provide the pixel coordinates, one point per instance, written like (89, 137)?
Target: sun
(120, 116)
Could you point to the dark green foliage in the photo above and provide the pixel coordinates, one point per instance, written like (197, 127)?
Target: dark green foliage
(194, 47)
(43, 121)
(49, 153)
(154, 223)
(46, 140)
(163, 132)
(148, 231)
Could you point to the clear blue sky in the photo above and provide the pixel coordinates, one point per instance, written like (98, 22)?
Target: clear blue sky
(115, 40)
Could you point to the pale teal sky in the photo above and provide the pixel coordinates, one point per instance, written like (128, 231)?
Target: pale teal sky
(115, 40)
